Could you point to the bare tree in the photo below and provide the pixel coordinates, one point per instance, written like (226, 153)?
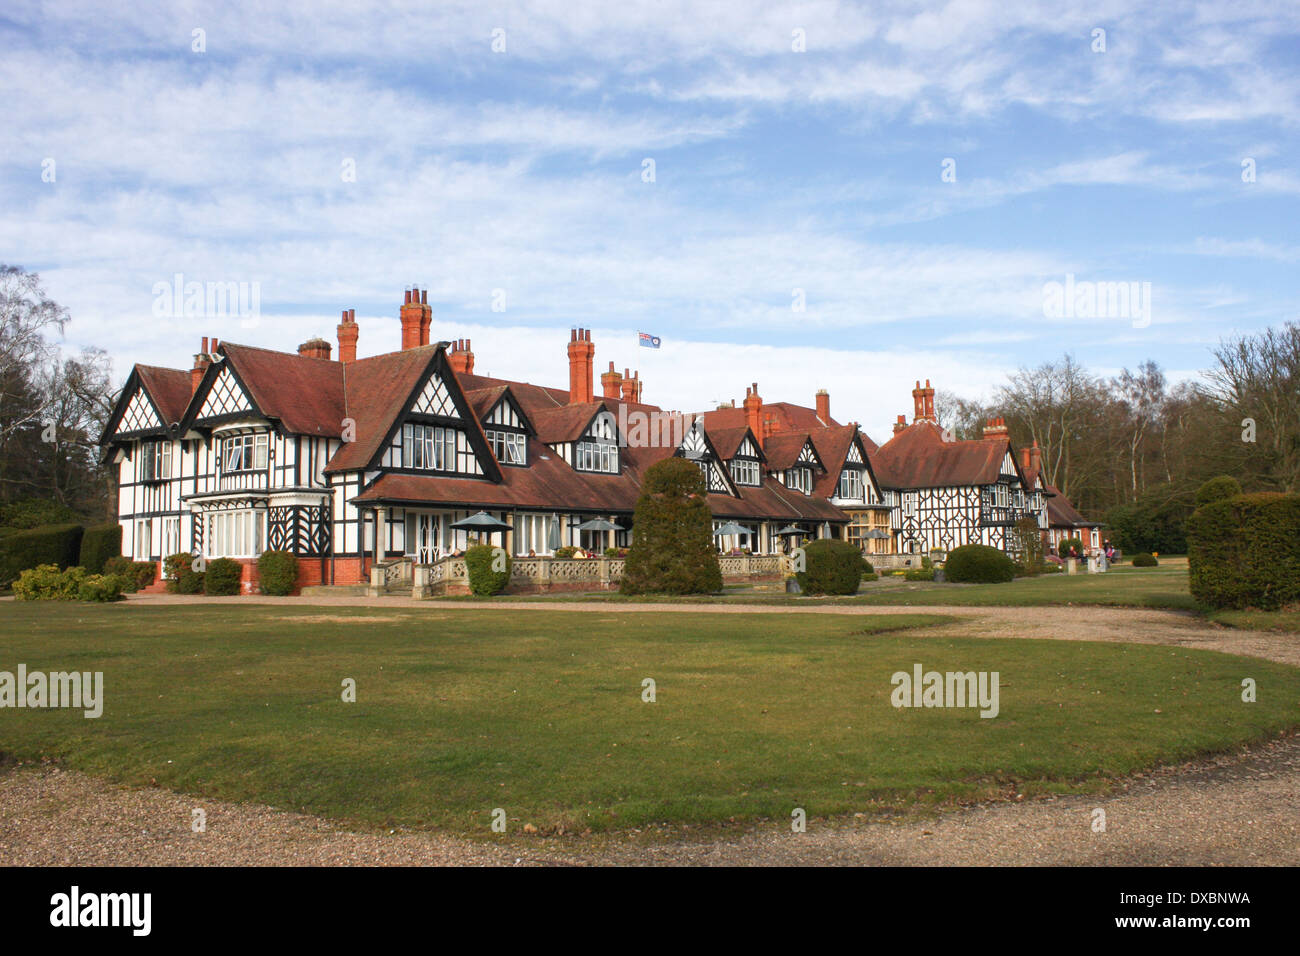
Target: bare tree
(1142, 394)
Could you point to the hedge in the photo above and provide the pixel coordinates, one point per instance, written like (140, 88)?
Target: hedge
(1068, 546)
(978, 564)
(100, 587)
(134, 574)
(49, 582)
(831, 566)
(483, 580)
(277, 572)
(98, 544)
(57, 544)
(1244, 551)
(1145, 560)
(1217, 489)
(672, 534)
(36, 513)
(222, 577)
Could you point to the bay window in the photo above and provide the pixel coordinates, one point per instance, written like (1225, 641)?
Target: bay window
(244, 453)
(235, 534)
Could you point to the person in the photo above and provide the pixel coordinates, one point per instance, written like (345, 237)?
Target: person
(1110, 552)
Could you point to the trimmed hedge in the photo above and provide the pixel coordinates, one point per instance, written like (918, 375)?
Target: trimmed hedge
(134, 574)
(1068, 546)
(672, 534)
(49, 582)
(98, 544)
(57, 544)
(1217, 489)
(100, 587)
(483, 580)
(36, 513)
(1244, 551)
(222, 577)
(978, 564)
(918, 574)
(1145, 560)
(277, 572)
(831, 566)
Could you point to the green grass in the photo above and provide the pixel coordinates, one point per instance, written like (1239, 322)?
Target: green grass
(540, 712)
(1122, 586)
(1259, 620)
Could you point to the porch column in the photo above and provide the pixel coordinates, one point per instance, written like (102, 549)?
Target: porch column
(381, 529)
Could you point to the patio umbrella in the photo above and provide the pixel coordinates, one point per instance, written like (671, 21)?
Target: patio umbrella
(599, 524)
(482, 522)
(553, 535)
(876, 533)
(789, 530)
(731, 528)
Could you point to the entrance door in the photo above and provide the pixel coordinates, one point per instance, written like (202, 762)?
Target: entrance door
(426, 537)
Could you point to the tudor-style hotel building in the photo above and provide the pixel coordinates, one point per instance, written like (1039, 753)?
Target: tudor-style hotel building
(350, 461)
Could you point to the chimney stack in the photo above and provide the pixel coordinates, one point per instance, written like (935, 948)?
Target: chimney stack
(413, 320)
(348, 332)
(632, 386)
(461, 357)
(315, 348)
(923, 402)
(996, 428)
(754, 413)
(581, 352)
(201, 363)
(900, 424)
(1036, 458)
(824, 406)
(426, 320)
(611, 383)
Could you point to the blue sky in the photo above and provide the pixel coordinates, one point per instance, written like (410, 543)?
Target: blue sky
(775, 170)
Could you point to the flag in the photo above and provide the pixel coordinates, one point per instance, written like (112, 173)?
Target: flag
(649, 341)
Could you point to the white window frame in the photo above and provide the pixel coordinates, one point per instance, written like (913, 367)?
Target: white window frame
(155, 460)
(235, 533)
(745, 472)
(247, 452)
(851, 487)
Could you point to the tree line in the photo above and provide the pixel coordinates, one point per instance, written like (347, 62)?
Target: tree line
(1132, 449)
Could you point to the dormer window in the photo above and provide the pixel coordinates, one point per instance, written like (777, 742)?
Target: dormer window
(745, 472)
(800, 479)
(850, 487)
(156, 460)
(243, 453)
(511, 448)
(429, 447)
(600, 456)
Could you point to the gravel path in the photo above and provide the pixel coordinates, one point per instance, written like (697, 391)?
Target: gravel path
(1239, 808)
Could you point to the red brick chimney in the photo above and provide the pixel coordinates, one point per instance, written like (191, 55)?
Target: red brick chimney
(923, 402)
(824, 406)
(611, 383)
(348, 333)
(581, 353)
(316, 348)
(754, 413)
(461, 357)
(412, 317)
(201, 363)
(426, 320)
(996, 428)
(632, 386)
(900, 424)
(1036, 457)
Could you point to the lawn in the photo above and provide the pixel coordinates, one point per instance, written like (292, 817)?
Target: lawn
(541, 712)
(1125, 586)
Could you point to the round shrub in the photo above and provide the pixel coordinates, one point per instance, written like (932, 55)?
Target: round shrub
(565, 552)
(46, 582)
(222, 577)
(1070, 547)
(173, 567)
(488, 568)
(277, 572)
(189, 581)
(979, 564)
(831, 566)
(1218, 489)
(672, 534)
(1145, 560)
(100, 587)
(867, 568)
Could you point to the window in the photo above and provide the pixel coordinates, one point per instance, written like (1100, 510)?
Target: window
(431, 447)
(534, 533)
(1002, 495)
(235, 534)
(909, 503)
(143, 540)
(850, 484)
(509, 447)
(595, 456)
(800, 479)
(156, 460)
(744, 472)
(171, 536)
(243, 453)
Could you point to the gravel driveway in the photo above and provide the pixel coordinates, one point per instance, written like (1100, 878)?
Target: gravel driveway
(1240, 808)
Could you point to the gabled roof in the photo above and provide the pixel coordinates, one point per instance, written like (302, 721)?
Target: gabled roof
(555, 426)
(783, 449)
(1061, 513)
(727, 441)
(918, 457)
(833, 444)
(169, 388)
(484, 400)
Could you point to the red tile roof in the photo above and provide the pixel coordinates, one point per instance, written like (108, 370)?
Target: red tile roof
(1061, 513)
(304, 394)
(169, 388)
(918, 457)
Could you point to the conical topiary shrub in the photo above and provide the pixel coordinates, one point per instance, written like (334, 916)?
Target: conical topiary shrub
(672, 534)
